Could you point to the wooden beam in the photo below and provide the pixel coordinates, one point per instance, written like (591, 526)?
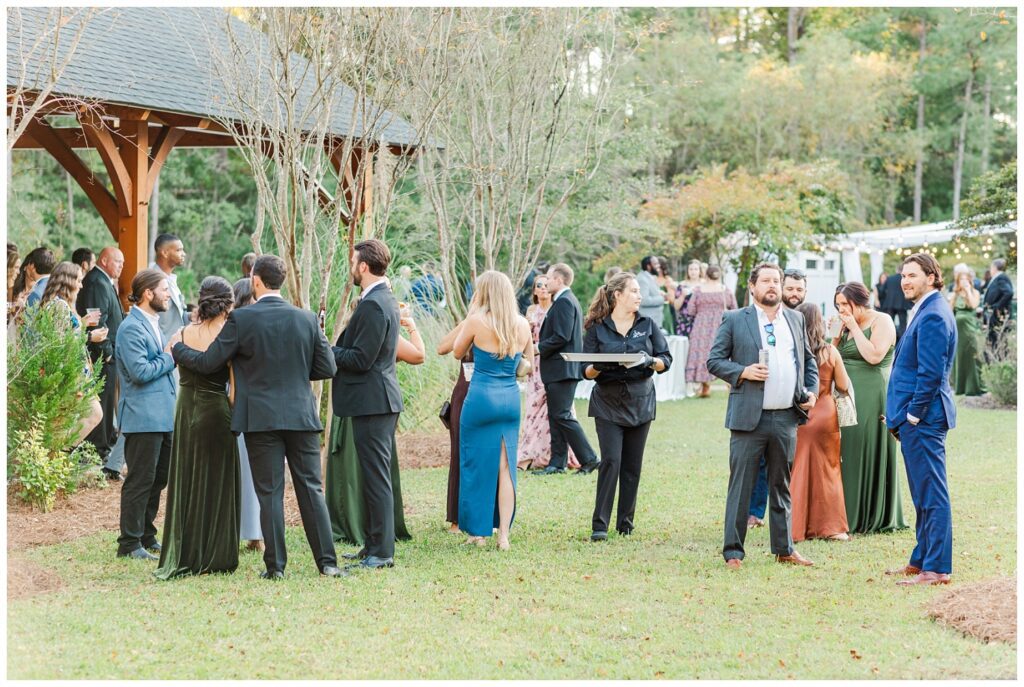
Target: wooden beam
(165, 141)
(180, 120)
(100, 137)
(133, 227)
(74, 137)
(101, 198)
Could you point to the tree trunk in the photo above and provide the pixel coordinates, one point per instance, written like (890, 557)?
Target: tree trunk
(958, 166)
(986, 122)
(792, 32)
(71, 202)
(919, 164)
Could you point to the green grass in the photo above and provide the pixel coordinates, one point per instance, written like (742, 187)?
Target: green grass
(658, 604)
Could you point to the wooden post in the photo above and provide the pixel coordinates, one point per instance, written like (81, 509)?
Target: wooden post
(133, 225)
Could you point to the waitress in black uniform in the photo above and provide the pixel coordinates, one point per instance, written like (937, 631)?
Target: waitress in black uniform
(623, 402)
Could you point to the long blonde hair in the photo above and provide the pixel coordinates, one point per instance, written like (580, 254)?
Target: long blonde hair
(495, 300)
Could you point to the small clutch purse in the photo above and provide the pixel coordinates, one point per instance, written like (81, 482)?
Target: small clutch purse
(446, 414)
(846, 408)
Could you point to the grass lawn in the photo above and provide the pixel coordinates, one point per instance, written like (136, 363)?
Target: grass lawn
(659, 604)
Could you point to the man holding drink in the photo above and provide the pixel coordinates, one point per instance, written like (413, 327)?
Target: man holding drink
(98, 303)
(769, 398)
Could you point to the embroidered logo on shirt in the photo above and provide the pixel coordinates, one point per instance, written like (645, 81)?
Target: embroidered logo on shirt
(638, 335)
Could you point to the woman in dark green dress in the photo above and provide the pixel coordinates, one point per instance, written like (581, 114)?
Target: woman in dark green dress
(343, 479)
(966, 372)
(203, 493)
(870, 456)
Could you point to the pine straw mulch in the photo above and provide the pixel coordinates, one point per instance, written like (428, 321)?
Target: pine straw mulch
(97, 510)
(984, 610)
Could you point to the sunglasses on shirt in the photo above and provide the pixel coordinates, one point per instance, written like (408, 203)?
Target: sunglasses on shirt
(770, 330)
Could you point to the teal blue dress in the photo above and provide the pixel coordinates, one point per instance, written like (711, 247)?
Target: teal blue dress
(490, 415)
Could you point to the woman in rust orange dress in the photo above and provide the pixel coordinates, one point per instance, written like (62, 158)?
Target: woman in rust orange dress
(816, 483)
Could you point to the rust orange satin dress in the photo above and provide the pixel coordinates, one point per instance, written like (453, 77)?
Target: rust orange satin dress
(816, 483)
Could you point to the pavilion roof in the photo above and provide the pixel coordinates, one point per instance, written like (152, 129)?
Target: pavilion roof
(163, 59)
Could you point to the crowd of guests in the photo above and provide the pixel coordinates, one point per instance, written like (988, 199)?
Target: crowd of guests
(207, 402)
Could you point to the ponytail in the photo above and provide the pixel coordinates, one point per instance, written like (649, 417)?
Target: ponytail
(604, 300)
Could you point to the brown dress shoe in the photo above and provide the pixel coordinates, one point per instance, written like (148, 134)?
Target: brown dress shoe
(794, 559)
(905, 571)
(734, 563)
(925, 577)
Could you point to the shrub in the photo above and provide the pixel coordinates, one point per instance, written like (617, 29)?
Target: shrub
(47, 397)
(999, 374)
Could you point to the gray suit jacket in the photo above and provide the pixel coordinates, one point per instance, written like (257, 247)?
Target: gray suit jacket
(736, 345)
(652, 302)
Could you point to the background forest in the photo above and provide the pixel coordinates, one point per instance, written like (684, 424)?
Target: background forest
(875, 116)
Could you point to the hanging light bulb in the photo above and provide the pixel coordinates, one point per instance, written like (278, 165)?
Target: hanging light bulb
(943, 251)
(986, 255)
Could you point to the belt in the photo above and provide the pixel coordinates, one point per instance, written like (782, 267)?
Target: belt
(777, 410)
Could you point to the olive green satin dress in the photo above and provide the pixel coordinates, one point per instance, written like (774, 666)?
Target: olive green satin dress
(966, 372)
(343, 487)
(203, 487)
(870, 456)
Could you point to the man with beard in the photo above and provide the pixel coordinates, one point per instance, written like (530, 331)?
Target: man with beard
(170, 254)
(794, 291)
(652, 297)
(768, 400)
(366, 389)
(146, 410)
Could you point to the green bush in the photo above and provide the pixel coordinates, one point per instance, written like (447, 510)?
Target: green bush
(999, 374)
(47, 397)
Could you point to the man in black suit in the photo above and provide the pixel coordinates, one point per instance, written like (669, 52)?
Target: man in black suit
(275, 349)
(998, 296)
(366, 389)
(894, 303)
(98, 292)
(562, 332)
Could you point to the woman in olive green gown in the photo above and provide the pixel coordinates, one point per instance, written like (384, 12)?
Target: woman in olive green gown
(203, 488)
(343, 479)
(870, 455)
(966, 372)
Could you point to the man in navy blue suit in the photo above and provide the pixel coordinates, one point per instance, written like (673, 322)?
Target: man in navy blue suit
(920, 411)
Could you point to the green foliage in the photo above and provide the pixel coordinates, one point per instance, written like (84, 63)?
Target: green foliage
(746, 218)
(999, 374)
(47, 396)
(992, 200)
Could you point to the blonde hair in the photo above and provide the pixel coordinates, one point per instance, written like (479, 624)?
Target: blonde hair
(563, 271)
(494, 299)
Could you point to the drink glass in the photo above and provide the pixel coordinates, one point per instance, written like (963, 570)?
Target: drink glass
(467, 368)
(93, 314)
(403, 310)
(835, 325)
(762, 357)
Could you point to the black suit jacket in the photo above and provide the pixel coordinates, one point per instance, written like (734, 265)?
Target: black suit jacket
(894, 300)
(562, 332)
(98, 292)
(367, 381)
(999, 293)
(275, 349)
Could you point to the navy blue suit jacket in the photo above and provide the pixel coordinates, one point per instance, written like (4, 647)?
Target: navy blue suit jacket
(919, 382)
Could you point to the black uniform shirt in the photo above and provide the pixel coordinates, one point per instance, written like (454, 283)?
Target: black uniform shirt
(625, 396)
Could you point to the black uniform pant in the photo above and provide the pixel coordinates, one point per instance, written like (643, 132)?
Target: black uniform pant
(565, 429)
(775, 439)
(266, 460)
(104, 436)
(148, 455)
(373, 436)
(622, 455)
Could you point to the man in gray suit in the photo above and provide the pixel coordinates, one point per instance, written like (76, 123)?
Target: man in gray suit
(170, 254)
(766, 403)
(652, 298)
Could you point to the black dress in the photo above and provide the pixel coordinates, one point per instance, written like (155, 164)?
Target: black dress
(203, 489)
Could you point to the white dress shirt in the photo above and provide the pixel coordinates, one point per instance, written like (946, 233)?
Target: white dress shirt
(780, 387)
(560, 292)
(270, 295)
(917, 306)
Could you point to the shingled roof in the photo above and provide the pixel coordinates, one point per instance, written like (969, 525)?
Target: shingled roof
(161, 59)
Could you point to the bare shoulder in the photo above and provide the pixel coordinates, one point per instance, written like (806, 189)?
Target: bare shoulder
(884, 321)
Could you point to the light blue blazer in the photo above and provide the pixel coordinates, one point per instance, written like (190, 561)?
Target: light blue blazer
(147, 384)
